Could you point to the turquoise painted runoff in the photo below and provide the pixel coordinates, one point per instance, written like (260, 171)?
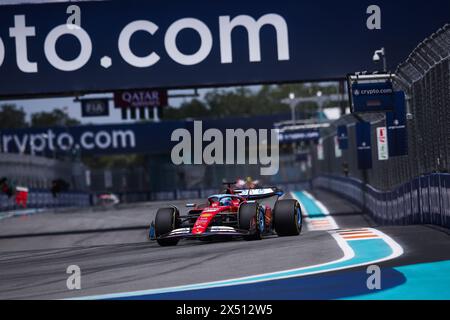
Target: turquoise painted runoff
(312, 210)
(425, 281)
(365, 252)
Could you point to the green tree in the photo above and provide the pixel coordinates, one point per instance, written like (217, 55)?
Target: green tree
(245, 101)
(54, 118)
(12, 117)
(192, 109)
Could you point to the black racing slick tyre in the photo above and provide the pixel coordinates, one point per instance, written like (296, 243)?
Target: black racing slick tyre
(251, 218)
(288, 219)
(166, 221)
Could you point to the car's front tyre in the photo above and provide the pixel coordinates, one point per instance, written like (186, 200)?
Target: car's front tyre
(165, 222)
(251, 218)
(288, 220)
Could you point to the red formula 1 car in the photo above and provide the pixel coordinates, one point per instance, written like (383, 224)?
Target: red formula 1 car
(247, 213)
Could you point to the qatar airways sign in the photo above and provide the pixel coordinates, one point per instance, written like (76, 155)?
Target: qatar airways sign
(97, 46)
(140, 98)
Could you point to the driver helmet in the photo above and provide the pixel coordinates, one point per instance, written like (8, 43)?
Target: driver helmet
(226, 201)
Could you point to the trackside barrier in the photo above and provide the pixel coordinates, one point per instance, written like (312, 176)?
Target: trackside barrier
(425, 78)
(424, 200)
(38, 199)
(194, 193)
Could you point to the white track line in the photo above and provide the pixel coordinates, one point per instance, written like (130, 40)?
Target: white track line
(329, 222)
(286, 274)
(343, 244)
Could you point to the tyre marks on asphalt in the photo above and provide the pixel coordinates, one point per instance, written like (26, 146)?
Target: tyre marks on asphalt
(360, 247)
(357, 252)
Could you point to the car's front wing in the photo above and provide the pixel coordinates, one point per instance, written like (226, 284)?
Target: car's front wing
(186, 233)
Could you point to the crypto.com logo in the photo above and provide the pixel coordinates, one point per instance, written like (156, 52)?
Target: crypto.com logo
(23, 34)
(235, 147)
(64, 141)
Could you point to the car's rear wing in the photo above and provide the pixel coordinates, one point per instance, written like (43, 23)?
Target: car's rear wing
(259, 193)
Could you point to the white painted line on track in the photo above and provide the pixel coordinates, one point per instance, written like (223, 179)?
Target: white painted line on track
(326, 223)
(343, 245)
(341, 237)
(318, 203)
(336, 265)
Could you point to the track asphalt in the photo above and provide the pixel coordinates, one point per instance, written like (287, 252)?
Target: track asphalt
(328, 261)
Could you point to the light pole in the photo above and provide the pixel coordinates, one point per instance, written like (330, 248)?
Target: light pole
(378, 55)
(292, 105)
(320, 102)
(319, 98)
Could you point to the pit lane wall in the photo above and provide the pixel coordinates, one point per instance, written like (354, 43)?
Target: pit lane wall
(36, 173)
(40, 199)
(199, 193)
(423, 200)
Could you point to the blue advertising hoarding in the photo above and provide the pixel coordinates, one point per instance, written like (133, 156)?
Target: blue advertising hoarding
(342, 136)
(91, 139)
(372, 97)
(299, 135)
(396, 127)
(146, 137)
(200, 43)
(364, 145)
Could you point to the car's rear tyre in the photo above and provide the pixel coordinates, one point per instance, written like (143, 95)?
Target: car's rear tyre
(251, 218)
(166, 221)
(288, 219)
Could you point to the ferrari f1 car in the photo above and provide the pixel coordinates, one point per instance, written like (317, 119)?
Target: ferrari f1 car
(245, 213)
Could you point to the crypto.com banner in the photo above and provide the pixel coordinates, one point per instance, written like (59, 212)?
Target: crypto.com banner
(91, 139)
(108, 45)
(146, 137)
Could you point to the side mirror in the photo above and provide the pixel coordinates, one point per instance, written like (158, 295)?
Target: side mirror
(191, 205)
